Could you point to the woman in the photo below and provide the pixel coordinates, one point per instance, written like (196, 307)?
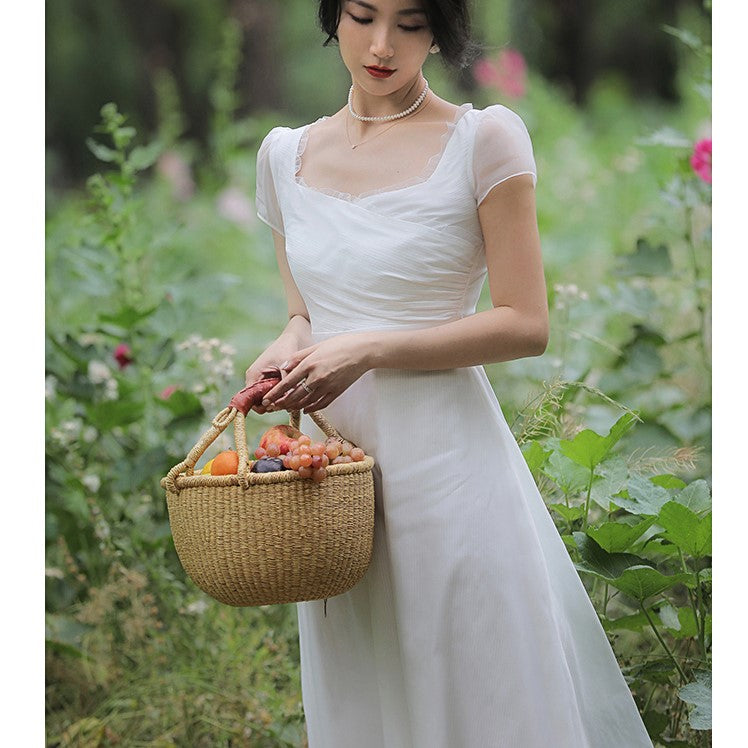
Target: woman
(471, 627)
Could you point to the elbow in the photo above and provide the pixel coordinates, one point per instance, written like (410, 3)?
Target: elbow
(537, 339)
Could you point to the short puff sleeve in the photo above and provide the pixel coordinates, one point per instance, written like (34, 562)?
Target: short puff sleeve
(502, 150)
(266, 198)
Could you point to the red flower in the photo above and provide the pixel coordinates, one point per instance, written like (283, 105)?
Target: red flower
(701, 159)
(167, 392)
(123, 355)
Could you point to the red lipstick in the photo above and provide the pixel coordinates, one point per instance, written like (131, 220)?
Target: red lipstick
(377, 72)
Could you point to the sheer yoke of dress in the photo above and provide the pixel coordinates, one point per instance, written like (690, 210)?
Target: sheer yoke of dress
(471, 628)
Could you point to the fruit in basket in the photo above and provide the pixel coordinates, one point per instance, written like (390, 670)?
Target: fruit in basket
(268, 465)
(225, 463)
(207, 467)
(281, 435)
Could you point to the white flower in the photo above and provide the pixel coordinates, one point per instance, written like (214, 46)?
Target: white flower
(98, 372)
(198, 607)
(112, 390)
(92, 482)
(89, 434)
(50, 387)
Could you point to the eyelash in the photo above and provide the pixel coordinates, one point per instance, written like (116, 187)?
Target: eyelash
(364, 21)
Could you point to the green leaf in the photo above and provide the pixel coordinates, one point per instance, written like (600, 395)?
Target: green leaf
(141, 157)
(655, 722)
(128, 316)
(182, 403)
(671, 482)
(107, 415)
(684, 528)
(654, 671)
(598, 561)
(642, 497)
(612, 476)
(646, 260)
(696, 496)
(681, 622)
(624, 571)
(102, 152)
(535, 455)
(589, 449)
(568, 476)
(699, 693)
(641, 582)
(633, 622)
(616, 537)
(569, 513)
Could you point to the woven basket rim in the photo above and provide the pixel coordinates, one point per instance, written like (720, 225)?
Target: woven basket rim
(258, 479)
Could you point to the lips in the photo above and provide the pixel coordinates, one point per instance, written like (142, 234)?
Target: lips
(377, 72)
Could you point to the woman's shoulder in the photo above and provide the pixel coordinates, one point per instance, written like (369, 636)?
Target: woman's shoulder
(497, 118)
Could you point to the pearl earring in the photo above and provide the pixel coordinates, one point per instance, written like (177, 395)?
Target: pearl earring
(434, 49)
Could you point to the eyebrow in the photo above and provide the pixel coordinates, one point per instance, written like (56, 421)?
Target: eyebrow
(406, 12)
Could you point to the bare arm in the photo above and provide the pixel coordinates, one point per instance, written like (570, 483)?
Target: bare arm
(297, 333)
(516, 326)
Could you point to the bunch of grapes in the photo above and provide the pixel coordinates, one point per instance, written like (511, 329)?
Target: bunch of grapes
(310, 459)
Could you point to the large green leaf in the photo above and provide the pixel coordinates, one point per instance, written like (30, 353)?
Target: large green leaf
(105, 416)
(684, 528)
(570, 477)
(611, 478)
(696, 496)
(589, 449)
(597, 560)
(625, 571)
(535, 455)
(641, 582)
(699, 693)
(616, 537)
(642, 497)
(569, 513)
(681, 622)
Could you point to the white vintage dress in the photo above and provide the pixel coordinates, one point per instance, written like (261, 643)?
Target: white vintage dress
(471, 628)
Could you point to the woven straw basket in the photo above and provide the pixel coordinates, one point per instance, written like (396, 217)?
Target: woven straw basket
(270, 538)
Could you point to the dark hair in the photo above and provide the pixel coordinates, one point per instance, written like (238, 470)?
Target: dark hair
(449, 21)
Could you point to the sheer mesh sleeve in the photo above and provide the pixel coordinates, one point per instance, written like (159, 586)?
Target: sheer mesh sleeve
(266, 199)
(502, 150)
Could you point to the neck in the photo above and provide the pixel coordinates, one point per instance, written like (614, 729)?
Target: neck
(370, 105)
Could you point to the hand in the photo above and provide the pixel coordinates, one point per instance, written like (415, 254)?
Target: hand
(271, 358)
(314, 376)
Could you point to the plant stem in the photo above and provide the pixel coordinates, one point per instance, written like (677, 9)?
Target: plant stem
(663, 643)
(698, 611)
(587, 501)
(701, 307)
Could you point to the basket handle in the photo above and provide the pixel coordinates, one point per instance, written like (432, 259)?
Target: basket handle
(239, 405)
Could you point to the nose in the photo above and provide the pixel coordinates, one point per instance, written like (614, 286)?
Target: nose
(381, 42)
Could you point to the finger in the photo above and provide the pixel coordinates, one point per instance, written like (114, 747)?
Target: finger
(296, 399)
(284, 387)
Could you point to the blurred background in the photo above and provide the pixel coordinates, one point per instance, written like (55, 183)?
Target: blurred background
(161, 288)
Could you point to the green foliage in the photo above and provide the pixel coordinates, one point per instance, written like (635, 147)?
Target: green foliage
(616, 430)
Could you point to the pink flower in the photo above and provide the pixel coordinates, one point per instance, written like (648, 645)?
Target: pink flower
(123, 355)
(177, 173)
(507, 73)
(167, 392)
(701, 159)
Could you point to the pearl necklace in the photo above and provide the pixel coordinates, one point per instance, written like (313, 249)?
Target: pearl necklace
(388, 117)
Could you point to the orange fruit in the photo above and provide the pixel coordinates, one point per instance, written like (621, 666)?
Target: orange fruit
(225, 463)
